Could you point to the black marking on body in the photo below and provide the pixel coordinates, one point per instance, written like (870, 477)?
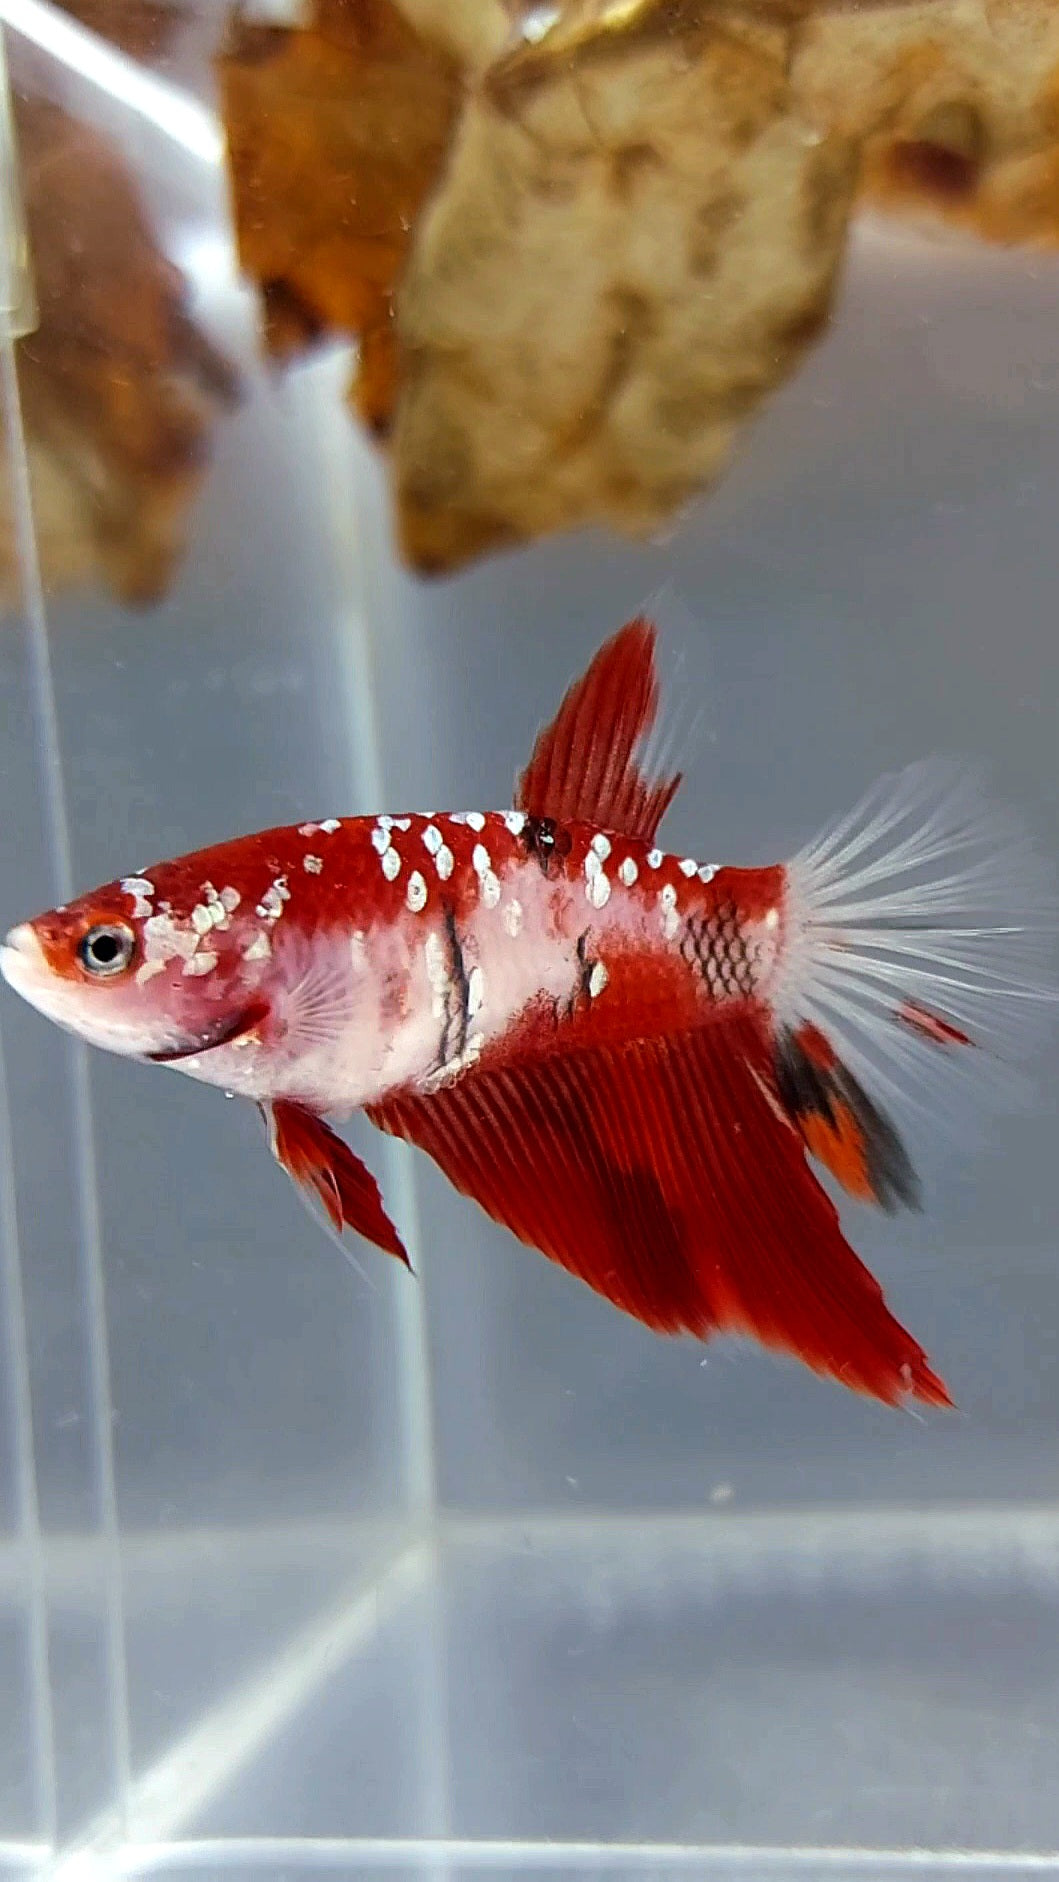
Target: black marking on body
(457, 995)
(548, 842)
(566, 1008)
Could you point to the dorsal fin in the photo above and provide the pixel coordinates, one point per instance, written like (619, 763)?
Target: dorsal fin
(583, 766)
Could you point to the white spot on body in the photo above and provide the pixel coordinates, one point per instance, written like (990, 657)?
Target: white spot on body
(230, 900)
(201, 963)
(475, 990)
(140, 889)
(474, 819)
(448, 1073)
(598, 890)
(515, 821)
(259, 950)
(401, 823)
(654, 859)
(437, 973)
(670, 918)
(214, 910)
(707, 872)
(443, 862)
(512, 917)
(628, 872)
(312, 865)
(490, 889)
(330, 825)
(165, 939)
(380, 837)
(416, 892)
(592, 866)
(148, 971)
(432, 838)
(270, 907)
(689, 867)
(391, 865)
(481, 861)
(597, 980)
(601, 845)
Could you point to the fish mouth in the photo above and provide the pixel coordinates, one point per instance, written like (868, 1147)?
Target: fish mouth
(21, 958)
(225, 1031)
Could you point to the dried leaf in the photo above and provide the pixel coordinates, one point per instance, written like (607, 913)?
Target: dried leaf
(634, 242)
(335, 134)
(119, 387)
(609, 227)
(145, 29)
(640, 228)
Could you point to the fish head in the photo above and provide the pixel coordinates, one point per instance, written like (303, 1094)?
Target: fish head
(150, 967)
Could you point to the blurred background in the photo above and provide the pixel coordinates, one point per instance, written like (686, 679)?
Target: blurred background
(363, 366)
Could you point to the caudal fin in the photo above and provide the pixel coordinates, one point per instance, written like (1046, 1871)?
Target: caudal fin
(916, 952)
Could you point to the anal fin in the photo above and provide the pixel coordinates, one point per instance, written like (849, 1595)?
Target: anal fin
(314, 1156)
(666, 1176)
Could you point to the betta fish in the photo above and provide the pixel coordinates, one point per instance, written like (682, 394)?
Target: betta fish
(630, 1058)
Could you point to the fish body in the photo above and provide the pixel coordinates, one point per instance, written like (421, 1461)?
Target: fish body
(367, 954)
(624, 1054)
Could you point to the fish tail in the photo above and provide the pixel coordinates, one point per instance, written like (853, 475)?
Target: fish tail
(915, 959)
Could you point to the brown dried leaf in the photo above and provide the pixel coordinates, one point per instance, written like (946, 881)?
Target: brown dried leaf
(957, 106)
(635, 241)
(119, 387)
(640, 228)
(145, 29)
(335, 134)
(624, 235)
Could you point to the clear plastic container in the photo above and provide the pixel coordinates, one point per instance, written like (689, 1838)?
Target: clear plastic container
(306, 1569)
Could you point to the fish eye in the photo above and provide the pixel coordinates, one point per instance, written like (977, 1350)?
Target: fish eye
(107, 949)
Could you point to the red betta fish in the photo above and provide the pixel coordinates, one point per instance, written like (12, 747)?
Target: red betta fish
(624, 1055)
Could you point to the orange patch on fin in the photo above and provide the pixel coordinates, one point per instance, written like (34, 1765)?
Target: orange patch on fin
(664, 1175)
(940, 1032)
(838, 1142)
(838, 1122)
(583, 765)
(313, 1155)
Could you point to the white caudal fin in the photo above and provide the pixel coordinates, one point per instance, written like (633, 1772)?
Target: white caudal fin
(920, 938)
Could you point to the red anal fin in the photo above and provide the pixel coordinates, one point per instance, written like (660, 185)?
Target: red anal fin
(313, 1155)
(840, 1125)
(665, 1176)
(583, 765)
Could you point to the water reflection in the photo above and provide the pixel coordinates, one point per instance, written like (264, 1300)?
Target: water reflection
(120, 387)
